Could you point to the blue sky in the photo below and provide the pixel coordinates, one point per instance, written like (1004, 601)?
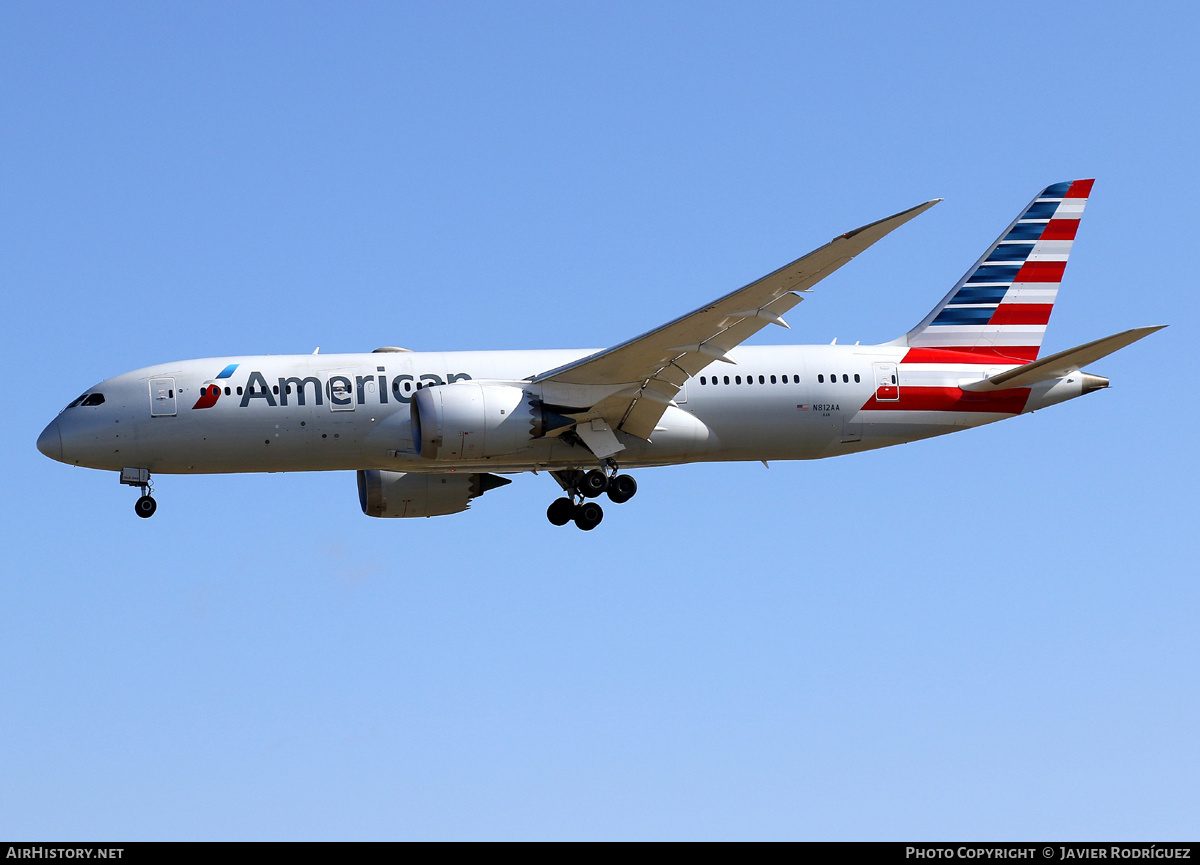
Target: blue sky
(990, 635)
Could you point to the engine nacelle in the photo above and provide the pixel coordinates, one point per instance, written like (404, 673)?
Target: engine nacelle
(469, 421)
(420, 494)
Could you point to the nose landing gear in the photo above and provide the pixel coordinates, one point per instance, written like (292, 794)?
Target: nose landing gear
(145, 506)
(580, 487)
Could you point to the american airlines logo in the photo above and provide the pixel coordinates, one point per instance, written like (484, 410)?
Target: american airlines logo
(210, 393)
(339, 390)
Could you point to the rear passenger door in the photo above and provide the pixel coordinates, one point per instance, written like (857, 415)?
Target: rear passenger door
(887, 383)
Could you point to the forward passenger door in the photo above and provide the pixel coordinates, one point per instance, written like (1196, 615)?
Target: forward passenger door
(162, 397)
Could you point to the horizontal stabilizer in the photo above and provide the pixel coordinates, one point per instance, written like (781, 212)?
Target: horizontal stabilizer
(1063, 363)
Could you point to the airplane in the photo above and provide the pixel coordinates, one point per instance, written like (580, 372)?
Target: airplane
(427, 432)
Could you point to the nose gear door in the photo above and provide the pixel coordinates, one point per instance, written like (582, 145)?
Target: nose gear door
(162, 397)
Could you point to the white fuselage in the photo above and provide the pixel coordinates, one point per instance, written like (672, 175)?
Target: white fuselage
(792, 402)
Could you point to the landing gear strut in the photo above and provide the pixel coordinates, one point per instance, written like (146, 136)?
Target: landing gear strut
(145, 506)
(580, 487)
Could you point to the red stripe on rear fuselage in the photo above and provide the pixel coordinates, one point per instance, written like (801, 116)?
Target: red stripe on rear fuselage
(952, 399)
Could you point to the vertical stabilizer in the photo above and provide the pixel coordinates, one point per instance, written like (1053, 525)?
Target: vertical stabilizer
(999, 309)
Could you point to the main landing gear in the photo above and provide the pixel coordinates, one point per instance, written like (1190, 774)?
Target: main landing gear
(145, 506)
(580, 487)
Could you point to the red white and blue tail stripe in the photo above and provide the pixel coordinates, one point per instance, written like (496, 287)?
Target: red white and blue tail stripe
(998, 311)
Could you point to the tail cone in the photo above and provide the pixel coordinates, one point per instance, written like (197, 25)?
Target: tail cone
(1093, 382)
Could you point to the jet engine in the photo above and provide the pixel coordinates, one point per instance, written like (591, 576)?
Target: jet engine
(468, 421)
(401, 494)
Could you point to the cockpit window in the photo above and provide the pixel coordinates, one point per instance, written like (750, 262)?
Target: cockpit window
(93, 399)
(75, 401)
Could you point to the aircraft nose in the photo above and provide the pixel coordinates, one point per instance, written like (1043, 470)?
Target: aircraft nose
(50, 441)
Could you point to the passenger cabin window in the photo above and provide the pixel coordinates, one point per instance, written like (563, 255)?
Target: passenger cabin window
(702, 381)
(845, 378)
(738, 379)
(821, 379)
(772, 379)
(93, 399)
(726, 379)
(226, 391)
(785, 379)
(762, 380)
(856, 378)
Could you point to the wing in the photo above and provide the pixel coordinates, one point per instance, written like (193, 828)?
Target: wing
(630, 385)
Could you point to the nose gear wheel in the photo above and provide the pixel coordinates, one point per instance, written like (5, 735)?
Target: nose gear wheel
(145, 506)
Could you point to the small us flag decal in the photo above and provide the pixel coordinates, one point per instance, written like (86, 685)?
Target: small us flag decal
(804, 407)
